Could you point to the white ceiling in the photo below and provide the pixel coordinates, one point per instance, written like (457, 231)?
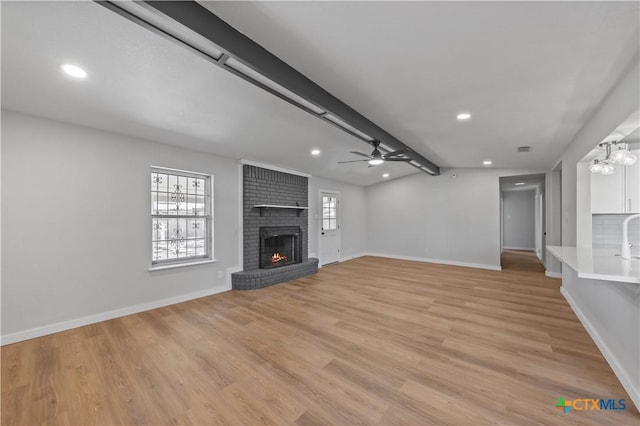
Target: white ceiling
(531, 182)
(531, 73)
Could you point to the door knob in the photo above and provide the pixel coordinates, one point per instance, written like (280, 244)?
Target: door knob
(323, 233)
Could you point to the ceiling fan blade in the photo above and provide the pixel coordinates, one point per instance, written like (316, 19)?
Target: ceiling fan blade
(352, 161)
(360, 153)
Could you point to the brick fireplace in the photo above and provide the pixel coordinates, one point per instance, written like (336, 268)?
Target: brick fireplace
(275, 223)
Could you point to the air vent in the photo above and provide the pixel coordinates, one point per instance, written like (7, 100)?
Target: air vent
(524, 148)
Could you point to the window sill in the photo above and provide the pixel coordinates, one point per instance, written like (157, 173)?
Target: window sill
(181, 265)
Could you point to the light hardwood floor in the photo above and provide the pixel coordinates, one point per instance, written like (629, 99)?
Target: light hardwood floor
(521, 260)
(369, 341)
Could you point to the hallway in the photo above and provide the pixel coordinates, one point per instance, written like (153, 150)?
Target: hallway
(521, 260)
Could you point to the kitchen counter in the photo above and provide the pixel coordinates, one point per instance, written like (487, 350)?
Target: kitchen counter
(598, 264)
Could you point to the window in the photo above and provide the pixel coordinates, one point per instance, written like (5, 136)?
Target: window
(180, 216)
(329, 213)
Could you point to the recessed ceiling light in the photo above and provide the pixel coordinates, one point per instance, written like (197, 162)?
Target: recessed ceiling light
(463, 116)
(315, 152)
(385, 175)
(519, 183)
(73, 71)
(487, 162)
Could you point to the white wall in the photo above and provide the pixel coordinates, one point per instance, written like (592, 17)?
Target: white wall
(553, 222)
(76, 226)
(353, 211)
(439, 218)
(519, 219)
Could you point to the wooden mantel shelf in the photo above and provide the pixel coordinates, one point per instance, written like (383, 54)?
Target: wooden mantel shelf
(262, 207)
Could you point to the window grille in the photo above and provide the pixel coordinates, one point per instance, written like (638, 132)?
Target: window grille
(180, 216)
(329, 213)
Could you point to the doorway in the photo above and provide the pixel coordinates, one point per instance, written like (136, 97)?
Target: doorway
(329, 241)
(522, 221)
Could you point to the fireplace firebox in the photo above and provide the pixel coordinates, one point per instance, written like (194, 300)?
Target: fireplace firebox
(280, 246)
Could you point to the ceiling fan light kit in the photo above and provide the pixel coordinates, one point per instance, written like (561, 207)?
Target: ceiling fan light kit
(376, 157)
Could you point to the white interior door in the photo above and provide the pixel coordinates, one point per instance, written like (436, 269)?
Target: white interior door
(329, 227)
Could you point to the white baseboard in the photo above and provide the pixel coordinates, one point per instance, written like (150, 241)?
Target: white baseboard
(352, 256)
(622, 376)
(440, 261)
(519, 248)
(553, 274)
(32, 333)
(343, 259)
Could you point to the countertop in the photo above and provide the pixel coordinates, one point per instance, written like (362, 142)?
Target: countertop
(598, 264)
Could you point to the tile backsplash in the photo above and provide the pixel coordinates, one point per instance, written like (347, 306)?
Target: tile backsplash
(607, 230)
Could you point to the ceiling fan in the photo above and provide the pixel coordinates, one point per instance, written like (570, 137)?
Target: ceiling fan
(376, 157)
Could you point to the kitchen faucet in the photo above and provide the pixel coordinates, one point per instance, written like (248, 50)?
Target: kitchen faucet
(626, 247)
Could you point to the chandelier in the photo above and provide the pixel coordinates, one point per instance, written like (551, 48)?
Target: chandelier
(620, 156)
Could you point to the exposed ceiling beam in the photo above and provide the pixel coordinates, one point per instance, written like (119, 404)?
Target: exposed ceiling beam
(204, 33)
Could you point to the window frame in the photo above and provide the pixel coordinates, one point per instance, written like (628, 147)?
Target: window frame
(209, 219)
(330, 218)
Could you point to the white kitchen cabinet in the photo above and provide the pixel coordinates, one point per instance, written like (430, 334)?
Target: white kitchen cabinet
(617, 193)
(607, 192)
(632, 203)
